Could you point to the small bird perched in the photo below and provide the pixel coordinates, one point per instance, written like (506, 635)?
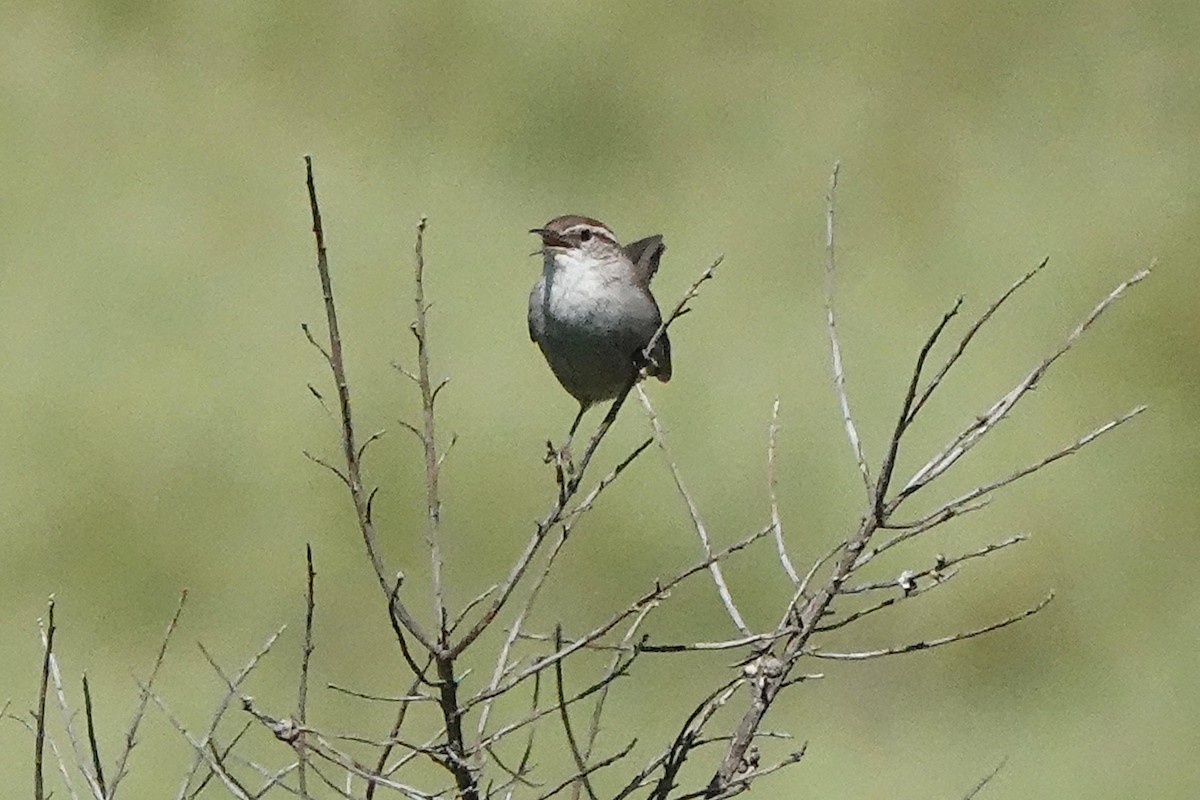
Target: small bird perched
(591, 311)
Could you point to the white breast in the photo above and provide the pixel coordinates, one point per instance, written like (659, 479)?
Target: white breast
(588, 295)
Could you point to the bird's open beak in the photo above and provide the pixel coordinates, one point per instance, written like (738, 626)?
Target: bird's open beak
(550, 238)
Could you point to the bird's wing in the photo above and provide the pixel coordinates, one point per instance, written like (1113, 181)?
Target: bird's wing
(645, 255)
(661, 356)
(536, 320)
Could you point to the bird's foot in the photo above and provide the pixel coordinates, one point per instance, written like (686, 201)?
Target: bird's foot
(560, 457)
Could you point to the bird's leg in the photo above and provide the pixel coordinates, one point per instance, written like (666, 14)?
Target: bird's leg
(575, 425)
(562, 455)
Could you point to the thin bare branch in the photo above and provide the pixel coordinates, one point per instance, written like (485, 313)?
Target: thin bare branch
(937, 379)
(331, 754)
(144, 699)
(353, 476)
(433, 502)
(385, 754)
(39, 737)
(68, 716)
(201, 748)
(232, 686)
(615, 757)
(446, 454)
(374, 437)
(916, 529)
(893, 450)
(941, 564)
(479, 598)
(514, 631)
(565, 716)
(308, 334)
(305, 660)
(929, 644)
(589, 500)
(802, 589)
(671, 761)
(981, 426)
(977, 788)
(697, 523)
(835, 347)
(62, 769)
(615, 667)
(398, 629)
(618, 670)
(773, 492)
(958, 504)
(220, 757)
(655, 595)
(742, 782)
(728, 644)
(907, 582)
(320, 462)
(93, 746)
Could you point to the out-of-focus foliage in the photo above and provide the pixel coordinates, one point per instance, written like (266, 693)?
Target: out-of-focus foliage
(156, 262)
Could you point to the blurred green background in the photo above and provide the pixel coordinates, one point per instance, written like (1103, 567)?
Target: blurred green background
(156, 263)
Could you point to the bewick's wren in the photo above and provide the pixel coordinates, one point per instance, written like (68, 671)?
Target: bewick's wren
(591, 311)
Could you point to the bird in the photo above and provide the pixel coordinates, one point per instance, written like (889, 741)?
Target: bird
(591, 311)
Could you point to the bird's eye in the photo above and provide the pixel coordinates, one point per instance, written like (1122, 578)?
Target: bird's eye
(585, 235)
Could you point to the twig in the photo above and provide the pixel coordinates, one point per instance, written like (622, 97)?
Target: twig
(773, 493)
(977, 788)
(398, 629)
(742, 782)
(97, 764)
(502, 660)
(615, 667)
(144, 698)
(200, 747)
(942, 564)
(929, 644)
(615, 757)
(433, 503)
(728, 644)
(39, 736)
(68, 715)
(305, 658)
(672, 760)
(937, 379)
(958, 504)
(617, 670)
(656, 594)
(219, 757)
(479, 598)
(412, 697)
(802, 589)
(232, 686)
(893, 450)
(916, 529)
(835, 347)
(1001, 408)
(353, 474)
(401, 715)
(697, 523)
(331, 754)
(565, 716)
(588, 501)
